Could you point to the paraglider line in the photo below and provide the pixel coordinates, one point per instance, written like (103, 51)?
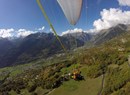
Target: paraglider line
(50, 24)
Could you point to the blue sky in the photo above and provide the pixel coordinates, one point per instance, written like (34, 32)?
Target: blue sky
(25, 14)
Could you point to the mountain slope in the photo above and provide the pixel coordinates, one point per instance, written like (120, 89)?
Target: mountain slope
(79, 35)
(105, 35)
(5, 45)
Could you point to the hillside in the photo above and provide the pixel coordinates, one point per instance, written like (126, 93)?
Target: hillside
(105, 69)
(79, 35)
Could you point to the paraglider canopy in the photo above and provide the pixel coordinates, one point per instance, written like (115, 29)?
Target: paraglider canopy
(71, 9)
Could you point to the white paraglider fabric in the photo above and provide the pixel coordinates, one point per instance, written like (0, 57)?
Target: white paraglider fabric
(71, 9)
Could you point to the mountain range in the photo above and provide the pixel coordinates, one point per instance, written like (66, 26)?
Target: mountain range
(42, 45)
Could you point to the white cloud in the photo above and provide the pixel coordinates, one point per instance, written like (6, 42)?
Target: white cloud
(112, 17)
(72, 31)
(91, 31)
(6, 33)
(23, 33)
(42, 28)
(124, 2)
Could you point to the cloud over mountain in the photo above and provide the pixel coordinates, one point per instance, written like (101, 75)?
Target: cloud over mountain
(111, 17)
(72, 31)
(23, 33)
(8, 33)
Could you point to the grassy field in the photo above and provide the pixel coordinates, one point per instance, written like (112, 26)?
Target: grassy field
(39, 91)
(85, 87)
